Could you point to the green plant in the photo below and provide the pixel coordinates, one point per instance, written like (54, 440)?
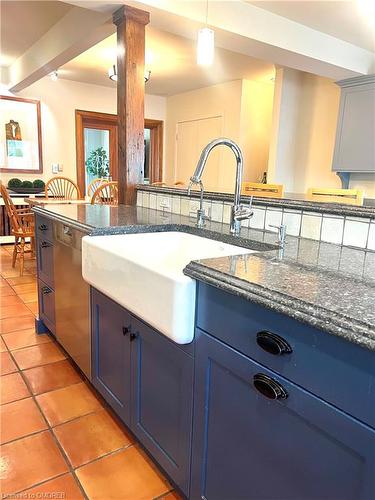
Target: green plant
(14, 183)
(97, 164)
(38, 183)
(27, 184)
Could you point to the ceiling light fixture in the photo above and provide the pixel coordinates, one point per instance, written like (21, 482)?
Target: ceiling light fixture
(112, 74)
(206, 44)
(54, 76)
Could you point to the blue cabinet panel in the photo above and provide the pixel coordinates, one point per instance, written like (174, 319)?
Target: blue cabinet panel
(247, 446)
(44, 254)
(46, 305)
(332, 368)
(162, 400)
(111, 353)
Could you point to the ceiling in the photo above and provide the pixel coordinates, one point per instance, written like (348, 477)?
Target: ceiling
(23, 23)
(172, 64)
(342, 19)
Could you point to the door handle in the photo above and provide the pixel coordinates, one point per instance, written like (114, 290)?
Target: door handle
(272, 343)
(269, 387)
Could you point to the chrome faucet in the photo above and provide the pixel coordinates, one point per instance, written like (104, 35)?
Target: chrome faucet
(281, 234)
(238, 212)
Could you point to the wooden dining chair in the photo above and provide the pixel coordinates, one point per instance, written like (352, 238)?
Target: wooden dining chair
(335, 195)
(22, 227)
(262, 190)
(94, 184)
(62, 188)
(106, 194)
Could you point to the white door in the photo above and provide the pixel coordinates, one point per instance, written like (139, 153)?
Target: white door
(192, 137)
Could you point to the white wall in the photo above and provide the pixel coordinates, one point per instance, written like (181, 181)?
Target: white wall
(304, 132)
(245, 108)
(59, 100)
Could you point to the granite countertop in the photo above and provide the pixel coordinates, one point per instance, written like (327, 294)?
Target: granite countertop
(323, 285)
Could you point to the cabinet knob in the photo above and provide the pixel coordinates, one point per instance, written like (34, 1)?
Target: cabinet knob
(43, 227)
(133, 336)
(269, 387)
(272, 343)
(125, 330)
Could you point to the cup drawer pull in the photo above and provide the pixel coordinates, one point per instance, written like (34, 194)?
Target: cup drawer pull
(43, 227)
(269, 387)
(45, 244)
(46, 290)
(273, 344)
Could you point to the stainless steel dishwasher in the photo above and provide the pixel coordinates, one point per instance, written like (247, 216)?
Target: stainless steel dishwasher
(72, 305)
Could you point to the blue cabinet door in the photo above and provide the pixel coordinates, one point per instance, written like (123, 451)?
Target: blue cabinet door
(111, 353)
(247, 446)
(44, 255)
(162, 399)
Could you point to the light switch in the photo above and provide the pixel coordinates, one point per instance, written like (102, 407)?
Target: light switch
(55, 168)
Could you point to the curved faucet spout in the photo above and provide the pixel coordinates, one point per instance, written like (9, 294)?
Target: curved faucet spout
(238, 212)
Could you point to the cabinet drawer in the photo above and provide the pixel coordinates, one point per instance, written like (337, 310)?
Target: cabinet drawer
(44, 251)
(46, 300)
(330, 367)
(44, 228)
(293, 446)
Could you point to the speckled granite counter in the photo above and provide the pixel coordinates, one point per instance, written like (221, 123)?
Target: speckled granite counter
(323, 285)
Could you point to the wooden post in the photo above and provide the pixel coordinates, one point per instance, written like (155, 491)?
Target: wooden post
(130, 24)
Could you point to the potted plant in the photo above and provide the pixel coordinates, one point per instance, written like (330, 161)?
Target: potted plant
(97, 164)
(26, 187)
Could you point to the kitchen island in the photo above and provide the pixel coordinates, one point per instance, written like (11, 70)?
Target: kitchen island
(280, 373)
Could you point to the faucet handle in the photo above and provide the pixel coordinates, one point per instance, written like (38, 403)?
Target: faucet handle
(281, 230)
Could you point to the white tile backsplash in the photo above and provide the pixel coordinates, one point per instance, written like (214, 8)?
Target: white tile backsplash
(274, 218)
(311, 226)
(217, 208)
(226, 213)
(348, 231)
(153, 199)
(146, 199)
(257, 220)
(371, 237)
(292, 220)
(176, 204)
(355, 233)
(332, 229)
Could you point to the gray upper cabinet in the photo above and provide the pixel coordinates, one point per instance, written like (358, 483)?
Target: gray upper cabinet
(355, 135)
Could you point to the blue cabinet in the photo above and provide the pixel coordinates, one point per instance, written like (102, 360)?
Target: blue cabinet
(148, 381)
(111, 353)
(162, 396)
(248, 446)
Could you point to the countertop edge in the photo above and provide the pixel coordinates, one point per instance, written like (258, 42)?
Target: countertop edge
(287, 203)
(325, 320)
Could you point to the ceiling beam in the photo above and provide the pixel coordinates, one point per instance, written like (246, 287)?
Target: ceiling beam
(250, 30)
(74, 33)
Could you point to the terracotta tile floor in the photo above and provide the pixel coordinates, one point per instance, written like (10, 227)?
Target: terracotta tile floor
(58, 438)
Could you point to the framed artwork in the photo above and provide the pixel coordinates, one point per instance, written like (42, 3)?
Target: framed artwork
(20, 135)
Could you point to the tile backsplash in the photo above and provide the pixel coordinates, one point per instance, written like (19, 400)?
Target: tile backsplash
(348, 231)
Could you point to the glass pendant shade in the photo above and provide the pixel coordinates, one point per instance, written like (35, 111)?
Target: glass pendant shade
(205, 47)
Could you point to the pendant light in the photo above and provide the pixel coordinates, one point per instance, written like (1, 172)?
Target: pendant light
(206, 44)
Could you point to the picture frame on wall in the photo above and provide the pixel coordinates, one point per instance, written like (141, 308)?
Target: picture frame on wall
(20, 135)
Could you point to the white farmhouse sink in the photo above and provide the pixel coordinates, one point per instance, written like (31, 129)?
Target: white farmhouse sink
(143, 273)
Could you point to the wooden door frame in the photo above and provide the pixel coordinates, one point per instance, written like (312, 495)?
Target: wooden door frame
(156, 149)
(93, 119)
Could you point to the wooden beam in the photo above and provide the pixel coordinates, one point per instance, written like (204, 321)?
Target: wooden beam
(130, 24)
